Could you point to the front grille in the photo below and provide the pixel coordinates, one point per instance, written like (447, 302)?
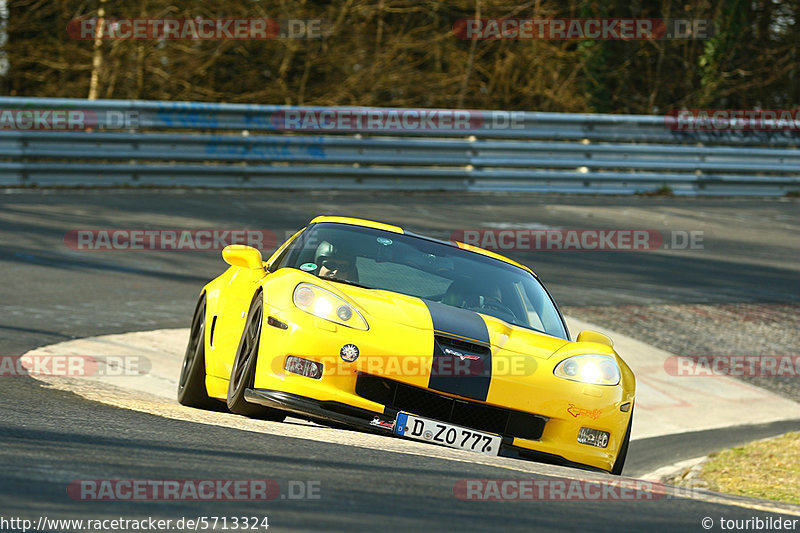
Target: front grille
(465, 413)
(461, 345)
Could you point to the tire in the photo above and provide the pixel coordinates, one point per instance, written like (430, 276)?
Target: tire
(623, 451)
(244, 367)
(192, 380)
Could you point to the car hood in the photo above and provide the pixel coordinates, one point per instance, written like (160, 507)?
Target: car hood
(410, 311)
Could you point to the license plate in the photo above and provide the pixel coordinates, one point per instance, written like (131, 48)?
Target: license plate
(428, 430)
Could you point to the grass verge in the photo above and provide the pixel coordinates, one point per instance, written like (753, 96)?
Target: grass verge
(768, 469)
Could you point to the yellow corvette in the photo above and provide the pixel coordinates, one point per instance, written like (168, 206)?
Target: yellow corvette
(364, 324)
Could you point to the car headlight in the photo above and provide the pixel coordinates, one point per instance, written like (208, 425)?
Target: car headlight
(594, 369)
(324, 304)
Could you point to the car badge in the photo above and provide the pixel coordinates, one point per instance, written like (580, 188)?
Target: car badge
(460, 355)
(381, 423)
(349, 352)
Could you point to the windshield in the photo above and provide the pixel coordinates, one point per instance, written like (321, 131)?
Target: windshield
(431, 270)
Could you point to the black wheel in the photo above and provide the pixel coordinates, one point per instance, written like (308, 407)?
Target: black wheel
(192, 382)
(244, 367)
(623, 451)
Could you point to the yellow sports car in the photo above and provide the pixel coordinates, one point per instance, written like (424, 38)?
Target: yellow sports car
(364, 324)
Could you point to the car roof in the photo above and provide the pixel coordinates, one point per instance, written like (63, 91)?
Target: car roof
(397, 229)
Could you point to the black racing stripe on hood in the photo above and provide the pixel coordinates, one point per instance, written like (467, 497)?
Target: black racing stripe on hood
(459, 331)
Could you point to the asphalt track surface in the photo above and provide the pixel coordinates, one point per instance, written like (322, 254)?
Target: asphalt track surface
(51, 293)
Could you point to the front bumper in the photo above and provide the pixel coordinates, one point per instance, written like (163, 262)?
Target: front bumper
(564, 406)
(379, 423)
(328, 412)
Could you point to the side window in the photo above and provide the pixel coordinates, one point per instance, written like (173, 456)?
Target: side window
(280, 261)
(541, 313)
(285, 256)
(531, 312)
(544, 310)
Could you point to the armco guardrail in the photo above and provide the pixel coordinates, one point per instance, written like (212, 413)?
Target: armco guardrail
(71, 142)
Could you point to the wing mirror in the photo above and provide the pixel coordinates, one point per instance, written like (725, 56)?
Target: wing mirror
(588, 335)
(241, 255)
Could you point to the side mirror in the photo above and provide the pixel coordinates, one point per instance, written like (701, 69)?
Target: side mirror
(241, 255)
(588, 335)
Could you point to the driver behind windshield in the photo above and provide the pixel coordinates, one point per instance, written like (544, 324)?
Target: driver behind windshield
(470, 295)
(491, 294)
(478, 296)
(462, 293)
(333, 263)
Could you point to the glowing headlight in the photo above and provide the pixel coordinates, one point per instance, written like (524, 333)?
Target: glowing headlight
(594, 369)
(324, 304)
